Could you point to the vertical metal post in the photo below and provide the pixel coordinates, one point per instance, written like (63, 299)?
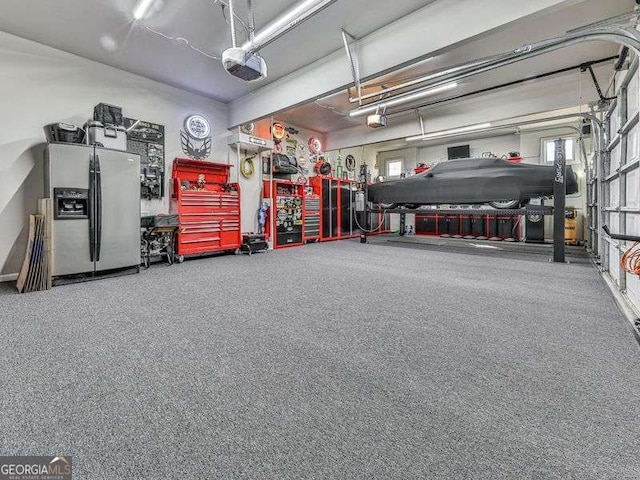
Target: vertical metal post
(362, 181)
(232, 24)
(559, 201)
(622, 179)
(600, 193)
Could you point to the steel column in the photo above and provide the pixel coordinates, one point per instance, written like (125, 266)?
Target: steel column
(559, 202)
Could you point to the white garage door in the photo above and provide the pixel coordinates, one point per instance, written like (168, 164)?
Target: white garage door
(621, 184)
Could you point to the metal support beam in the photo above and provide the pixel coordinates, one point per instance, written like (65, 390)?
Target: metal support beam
(349, 42)
(363, 184)
(559, 202)
(589, 67)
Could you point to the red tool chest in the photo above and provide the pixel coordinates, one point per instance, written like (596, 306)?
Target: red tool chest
(312, 217)
(287, 212)
(208, 207)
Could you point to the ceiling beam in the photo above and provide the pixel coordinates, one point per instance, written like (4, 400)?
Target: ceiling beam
(432, 29)
(553, 93)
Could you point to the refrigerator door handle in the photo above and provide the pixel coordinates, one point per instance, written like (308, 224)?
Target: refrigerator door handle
(92, 207)
(98, 207)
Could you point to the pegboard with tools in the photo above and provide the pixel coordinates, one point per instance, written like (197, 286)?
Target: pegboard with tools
(147, 140)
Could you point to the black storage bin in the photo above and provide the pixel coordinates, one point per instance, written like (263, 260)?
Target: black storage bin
(64, 133)
(505, 227)
(108, 114)
(493, 227)
(443, 227)
(465, 225)
(453, 225)
(478, 225)
(426, 225)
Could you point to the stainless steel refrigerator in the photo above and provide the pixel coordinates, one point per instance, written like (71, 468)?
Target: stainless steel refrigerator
(96, 210)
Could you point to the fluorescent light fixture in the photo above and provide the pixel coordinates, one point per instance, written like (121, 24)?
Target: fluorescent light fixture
(445, 133)
(142, 8)
(285, 22)
(401, 99)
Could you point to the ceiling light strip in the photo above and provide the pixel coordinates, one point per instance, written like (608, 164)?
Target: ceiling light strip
(286, 22)
(142, 8)
(402, 100)
(453, 131)
(412, 82)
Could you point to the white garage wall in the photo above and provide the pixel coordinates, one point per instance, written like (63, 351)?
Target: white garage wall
(499, 146)
(41, 85)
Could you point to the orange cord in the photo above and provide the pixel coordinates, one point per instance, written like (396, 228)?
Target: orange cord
(630, 260)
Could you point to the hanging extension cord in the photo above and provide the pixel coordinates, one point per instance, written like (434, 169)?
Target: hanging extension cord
(630, 260)
(355, 217)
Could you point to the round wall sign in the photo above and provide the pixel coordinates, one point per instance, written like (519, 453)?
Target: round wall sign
(197, 127)
(315, 145)
(350, 163)
(278, 131)
(248, 128)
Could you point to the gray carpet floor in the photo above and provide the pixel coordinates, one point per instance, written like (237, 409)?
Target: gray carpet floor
(332, 361)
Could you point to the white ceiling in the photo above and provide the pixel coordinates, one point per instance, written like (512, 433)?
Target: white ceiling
(104, 31)
(330, 114)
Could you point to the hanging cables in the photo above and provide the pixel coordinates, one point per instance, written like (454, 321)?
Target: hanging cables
(333, 109)
(181, 41)
(186, 42)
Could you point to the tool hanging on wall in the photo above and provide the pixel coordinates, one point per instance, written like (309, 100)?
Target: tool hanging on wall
(247, 168)
(322, 167)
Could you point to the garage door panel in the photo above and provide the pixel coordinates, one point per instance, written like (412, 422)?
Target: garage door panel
(633, 147)
(632, 183)
(633, 223)
(633, 289)
(632, 96)
(615, 159)
(614, 263)
(614, 193)
(614, 121)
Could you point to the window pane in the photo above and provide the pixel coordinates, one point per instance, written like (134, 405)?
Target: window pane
(550, 149)
(568, 149)
(394, 168)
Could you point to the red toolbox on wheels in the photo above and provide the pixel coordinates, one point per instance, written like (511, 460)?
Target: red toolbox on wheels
(208, 207)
